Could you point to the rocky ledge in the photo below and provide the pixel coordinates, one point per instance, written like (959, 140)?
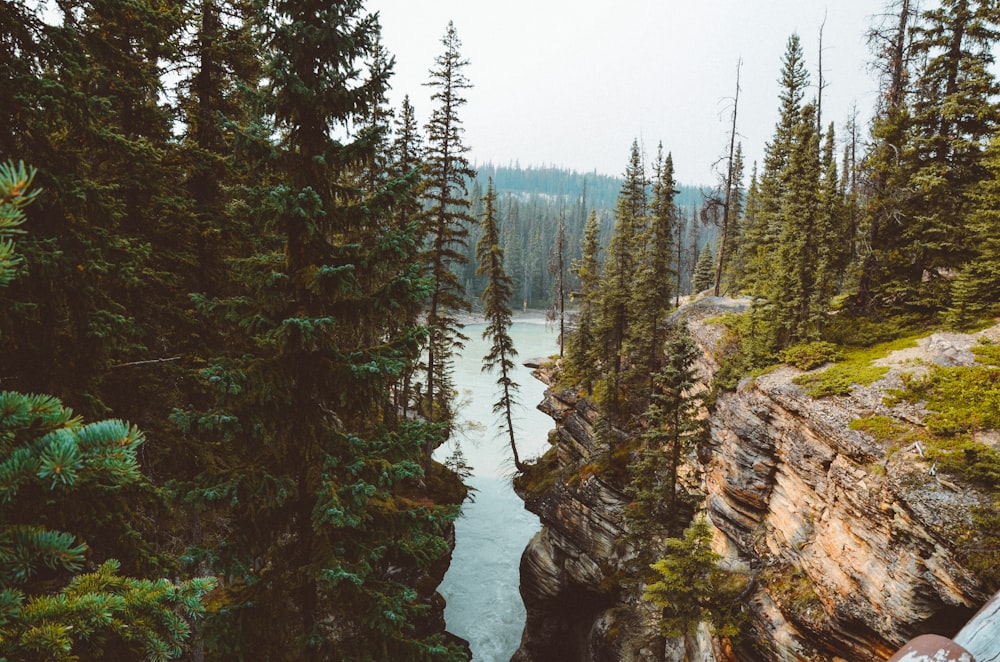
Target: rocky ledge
(853, 545)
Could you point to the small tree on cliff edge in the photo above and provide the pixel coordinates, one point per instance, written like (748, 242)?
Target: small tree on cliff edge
(660, 505)
(692, 588)
(496, 299)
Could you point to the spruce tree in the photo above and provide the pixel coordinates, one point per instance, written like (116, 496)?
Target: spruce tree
(613, 322)
(976, 289)
(496, 301)
(692, 588)
(557, 269)
(57, 479)
(704, 270)
(581, 346)
(446, 220)
(673, 428)
(953, 115)
(886, 179)
(651, 295)
(322, 489)
(790, 290)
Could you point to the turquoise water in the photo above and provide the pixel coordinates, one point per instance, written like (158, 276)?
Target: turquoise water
(481, 587)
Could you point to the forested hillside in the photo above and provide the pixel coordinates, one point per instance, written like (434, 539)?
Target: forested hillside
(531, 202)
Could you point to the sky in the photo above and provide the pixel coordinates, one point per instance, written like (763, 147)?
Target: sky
(572, 84)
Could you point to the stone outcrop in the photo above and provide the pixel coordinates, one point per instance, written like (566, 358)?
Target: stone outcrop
(853, 545)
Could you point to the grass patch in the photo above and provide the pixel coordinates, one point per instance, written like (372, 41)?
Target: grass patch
(808, 356)
(987, 352)
(540, 475)
(855, 369)
(961, 398)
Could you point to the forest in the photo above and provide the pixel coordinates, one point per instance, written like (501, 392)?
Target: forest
(233, 279)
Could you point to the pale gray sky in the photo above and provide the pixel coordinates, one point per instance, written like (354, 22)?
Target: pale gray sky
(572, 83)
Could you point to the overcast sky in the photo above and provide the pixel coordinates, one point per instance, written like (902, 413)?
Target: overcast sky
(573, 83)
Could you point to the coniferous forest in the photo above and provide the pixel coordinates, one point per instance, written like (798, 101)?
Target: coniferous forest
(233, 279)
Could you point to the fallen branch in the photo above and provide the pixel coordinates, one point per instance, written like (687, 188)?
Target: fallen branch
(164, 360)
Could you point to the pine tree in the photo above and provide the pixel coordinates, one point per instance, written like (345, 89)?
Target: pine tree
(954, 112)
(496, 300)
(885, 174)
(651, 295)
(929, 152)
(446, 220)
(833, 236)
(581, 346)
(323, 504)
(660, 505)
(790, 290)
(557, 268)
(692, 588)
(613, 321)
(976, 289)
(58, 475)
(704, 270)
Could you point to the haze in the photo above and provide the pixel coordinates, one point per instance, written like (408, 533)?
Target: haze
(572, 84)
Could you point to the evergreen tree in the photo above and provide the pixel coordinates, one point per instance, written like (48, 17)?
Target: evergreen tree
(321, 488)
(660, 505)
(832, 236)
(496, 300)
(953, 115)
(557, 268)
(619, 274)
(790, 290)
(651, 295)
(581, 346)
(976, 289)
(692, 588)
(733, 231)
(885, 174)
(704, 270)
(772, 183)
(58, 476)
(446, 220)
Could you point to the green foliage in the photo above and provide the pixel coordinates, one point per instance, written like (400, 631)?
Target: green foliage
(962, 398)
(48, 460)
(674, 428)
(793, 591)
(445, 221)
(855, 369)
(807, 356)
(15, 182)
(987, 352)
(496, 302)
(745, 351)
(704, 270)
(692, 588)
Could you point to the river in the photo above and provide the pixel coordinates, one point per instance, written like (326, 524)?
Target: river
(481, 586)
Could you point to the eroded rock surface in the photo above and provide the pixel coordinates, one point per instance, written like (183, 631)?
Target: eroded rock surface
(853, 545)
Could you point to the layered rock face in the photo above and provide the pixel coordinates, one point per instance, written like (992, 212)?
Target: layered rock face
(852, 545)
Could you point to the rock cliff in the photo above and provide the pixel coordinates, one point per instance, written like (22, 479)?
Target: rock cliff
(851, 543)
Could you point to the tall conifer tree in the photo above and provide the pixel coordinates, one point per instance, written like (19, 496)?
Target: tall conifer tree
(581, 345)
(496, 300)
(446, 222)
(619, 274)
(314, 473)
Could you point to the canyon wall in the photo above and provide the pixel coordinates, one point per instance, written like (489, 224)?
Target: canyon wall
(851, 543)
